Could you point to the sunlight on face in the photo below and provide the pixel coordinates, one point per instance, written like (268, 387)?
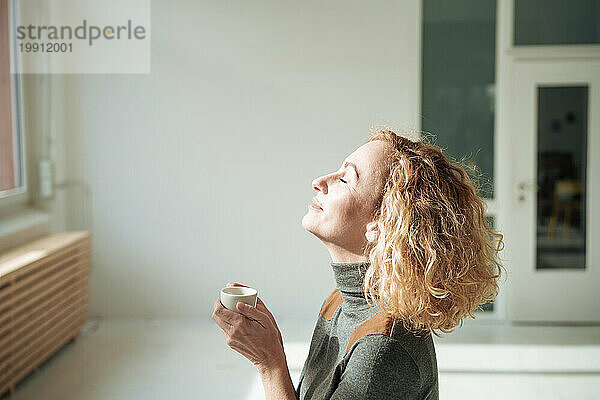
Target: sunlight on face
(347, 197)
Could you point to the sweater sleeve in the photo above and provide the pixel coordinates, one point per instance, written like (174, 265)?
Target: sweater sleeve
(378, 368)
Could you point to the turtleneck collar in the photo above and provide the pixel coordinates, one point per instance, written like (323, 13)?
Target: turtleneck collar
(349, 277)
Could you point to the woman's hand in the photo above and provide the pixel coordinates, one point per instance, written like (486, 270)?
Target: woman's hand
(253, 333)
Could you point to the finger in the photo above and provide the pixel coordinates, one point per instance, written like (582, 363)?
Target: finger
(262, 307)
(225, 326)
(218, 307)
(226, 315)
(232, 284)
(252, 313)
(215, 307)
(217, 315)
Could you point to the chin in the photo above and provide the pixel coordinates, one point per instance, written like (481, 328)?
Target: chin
(306, 221)
(309, 223)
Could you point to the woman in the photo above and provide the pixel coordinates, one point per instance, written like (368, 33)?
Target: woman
(411, 254)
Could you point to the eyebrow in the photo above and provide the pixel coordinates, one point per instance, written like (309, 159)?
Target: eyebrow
(353, 166)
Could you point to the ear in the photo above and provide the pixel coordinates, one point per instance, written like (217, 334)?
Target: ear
(372, 232)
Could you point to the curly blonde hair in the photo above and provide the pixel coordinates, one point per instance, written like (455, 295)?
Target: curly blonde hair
(435, 260)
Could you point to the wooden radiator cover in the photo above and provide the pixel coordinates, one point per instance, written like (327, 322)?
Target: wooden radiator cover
(44, 290)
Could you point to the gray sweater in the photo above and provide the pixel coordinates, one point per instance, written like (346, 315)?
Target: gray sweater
(356, 353)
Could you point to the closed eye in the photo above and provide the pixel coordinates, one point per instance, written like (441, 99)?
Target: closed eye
(343, 180)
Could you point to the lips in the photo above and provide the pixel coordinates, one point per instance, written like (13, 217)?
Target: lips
(316, 203)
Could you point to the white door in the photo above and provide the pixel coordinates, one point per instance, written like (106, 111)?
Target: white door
(555, 271)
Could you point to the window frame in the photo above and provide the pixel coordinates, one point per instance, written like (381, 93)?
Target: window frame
(18, 196)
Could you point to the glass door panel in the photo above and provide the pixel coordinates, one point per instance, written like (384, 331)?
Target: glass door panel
(561, 176)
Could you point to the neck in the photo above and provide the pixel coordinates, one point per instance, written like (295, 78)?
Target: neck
(341, 255)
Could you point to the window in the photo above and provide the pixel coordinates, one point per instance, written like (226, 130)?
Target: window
(458, 86)
(12, 177)
(458, 81)
(556, 22)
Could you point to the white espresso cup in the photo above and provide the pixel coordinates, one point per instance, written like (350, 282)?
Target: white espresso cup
(232, 294)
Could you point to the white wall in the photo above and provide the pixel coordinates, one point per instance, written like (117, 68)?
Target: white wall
(200, 172)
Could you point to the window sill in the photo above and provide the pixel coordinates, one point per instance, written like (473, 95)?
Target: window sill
(22, 226)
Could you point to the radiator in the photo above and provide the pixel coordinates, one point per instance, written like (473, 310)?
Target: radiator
(44, 289)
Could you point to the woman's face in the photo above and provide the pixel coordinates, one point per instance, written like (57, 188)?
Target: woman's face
(346, 199)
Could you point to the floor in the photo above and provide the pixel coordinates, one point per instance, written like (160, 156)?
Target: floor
(147, 359)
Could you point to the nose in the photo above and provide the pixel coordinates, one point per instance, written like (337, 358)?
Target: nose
(320, 184)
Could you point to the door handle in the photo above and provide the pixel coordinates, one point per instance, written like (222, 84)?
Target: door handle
(526, 187)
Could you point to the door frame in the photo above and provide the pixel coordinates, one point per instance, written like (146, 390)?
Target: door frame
(529, 283)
